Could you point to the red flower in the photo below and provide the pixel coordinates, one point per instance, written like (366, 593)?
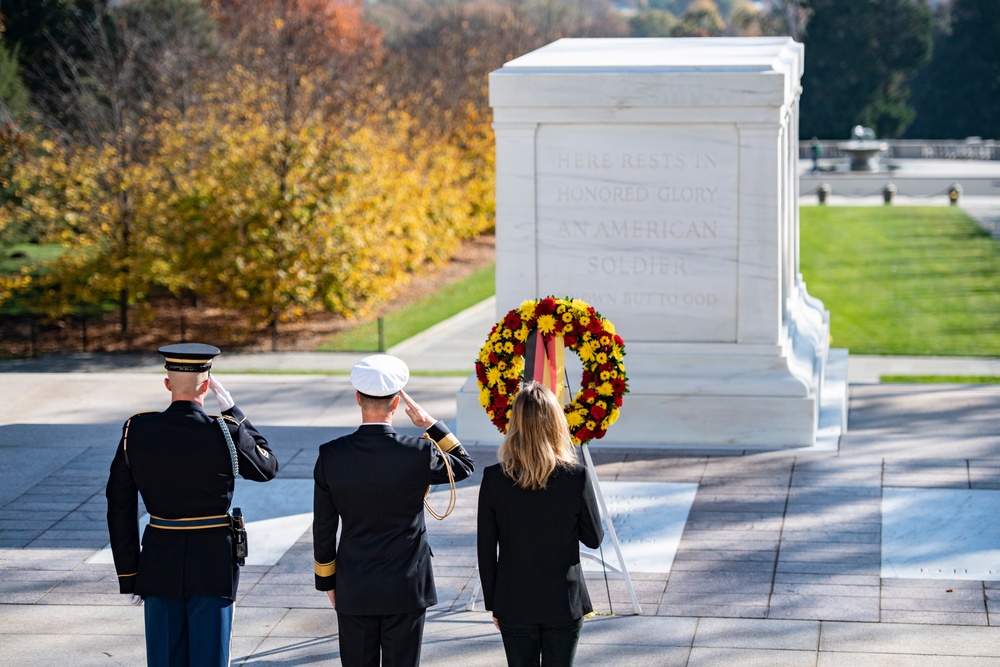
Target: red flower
(570, 340)
(546, 306)
(519, 349)
(595, 326)
(583, 435)
(618, 401)
(618, 341)
(494, 359)
(480, 372)
(500, 403)
(597, 411)
(512, 386)
(618, 385)
(512, 321)
(589, 394)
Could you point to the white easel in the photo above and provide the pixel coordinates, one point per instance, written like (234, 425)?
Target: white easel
(621, 573)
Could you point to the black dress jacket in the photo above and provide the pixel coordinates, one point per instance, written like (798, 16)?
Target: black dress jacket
(371, 484)
(180, 463)
(537, 577)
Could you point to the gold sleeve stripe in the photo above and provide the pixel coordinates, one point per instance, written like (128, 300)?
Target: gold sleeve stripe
(127, 575)
(326, 569)
(449, 442)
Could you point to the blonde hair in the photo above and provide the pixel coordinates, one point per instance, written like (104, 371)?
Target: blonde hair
(537, 439)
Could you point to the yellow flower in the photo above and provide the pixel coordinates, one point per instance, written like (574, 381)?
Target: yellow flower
(508, 347)
(605, 341)
(610, 328)
(617, 353)
(585, 320)
(586, 351)
(546, 324)
(522, 333)
(567, 328)
(517, 365)
(602, 358)
(605, 375)
(506, 333)
(605, 389)
(612, 418)
(498, 347)
(484, 397)
(526, 310)
(574, 419)
(591, 424)
(567, 317)
(493, 375)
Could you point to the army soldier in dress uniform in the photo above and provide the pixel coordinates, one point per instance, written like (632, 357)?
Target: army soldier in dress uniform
(183, 463)
(372, 484)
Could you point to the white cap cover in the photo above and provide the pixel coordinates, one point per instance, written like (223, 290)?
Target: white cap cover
(379, 375)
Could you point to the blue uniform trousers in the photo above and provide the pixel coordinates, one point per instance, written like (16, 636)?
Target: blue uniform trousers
(188, 631)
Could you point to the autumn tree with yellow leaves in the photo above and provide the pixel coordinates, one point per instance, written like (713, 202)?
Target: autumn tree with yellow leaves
(276, 179)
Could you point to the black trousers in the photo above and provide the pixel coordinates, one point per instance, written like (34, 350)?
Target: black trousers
(541, 644)
(390, 641)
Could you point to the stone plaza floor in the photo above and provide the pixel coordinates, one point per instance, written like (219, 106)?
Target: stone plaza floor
(884, 551)
(782, 558)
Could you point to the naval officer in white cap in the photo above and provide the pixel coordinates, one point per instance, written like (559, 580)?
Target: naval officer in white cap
(371, 484)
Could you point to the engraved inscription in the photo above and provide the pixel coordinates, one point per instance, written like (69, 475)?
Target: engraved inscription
(641, 223)
(639, 229)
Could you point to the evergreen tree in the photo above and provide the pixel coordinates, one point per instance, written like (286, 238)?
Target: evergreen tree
(860, 57)
(14, 97)
(958, 94)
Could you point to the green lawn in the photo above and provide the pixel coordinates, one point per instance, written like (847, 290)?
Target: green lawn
(896, 280)
(904, 280)
(13, 257)
(422, 314)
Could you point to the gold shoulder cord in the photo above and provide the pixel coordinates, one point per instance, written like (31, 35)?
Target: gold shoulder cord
(452, 496)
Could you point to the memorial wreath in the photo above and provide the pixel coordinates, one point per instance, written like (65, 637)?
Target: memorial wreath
(539, 330)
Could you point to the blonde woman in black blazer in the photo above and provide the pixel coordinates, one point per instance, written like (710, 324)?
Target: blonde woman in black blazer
(536, 505)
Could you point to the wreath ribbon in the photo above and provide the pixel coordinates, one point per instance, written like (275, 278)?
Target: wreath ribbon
(545, 363)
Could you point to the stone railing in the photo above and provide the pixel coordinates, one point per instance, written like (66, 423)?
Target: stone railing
(918, 149)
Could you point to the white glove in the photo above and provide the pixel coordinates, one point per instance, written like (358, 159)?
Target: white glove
(225, 400)
(135, 600)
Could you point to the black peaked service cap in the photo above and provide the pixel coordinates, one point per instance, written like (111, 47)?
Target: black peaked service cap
(188, 357)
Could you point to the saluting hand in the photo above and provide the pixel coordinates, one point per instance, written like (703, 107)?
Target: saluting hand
(225, 400)
(415, 412)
